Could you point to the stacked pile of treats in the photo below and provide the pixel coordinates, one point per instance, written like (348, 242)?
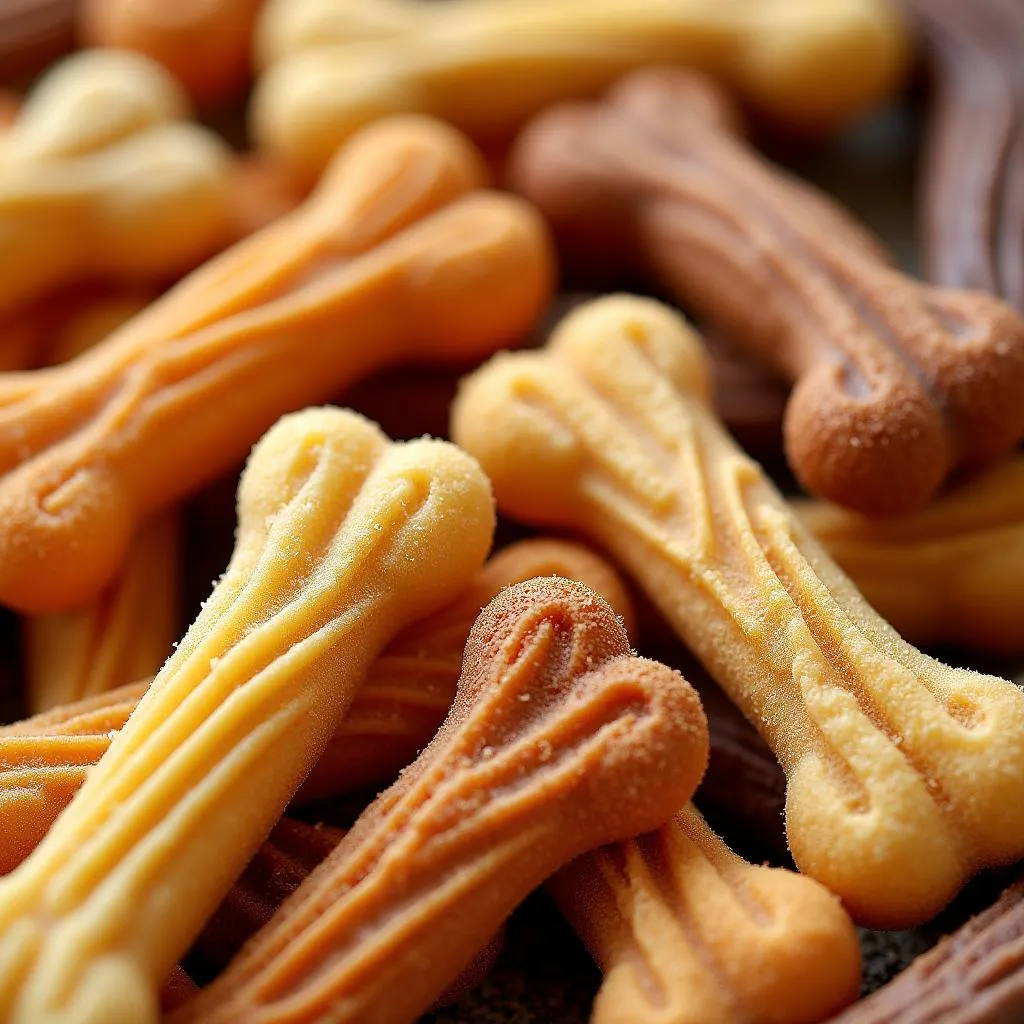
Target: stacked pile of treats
(437, 675)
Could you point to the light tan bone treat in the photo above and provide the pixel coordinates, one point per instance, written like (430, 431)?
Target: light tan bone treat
(559, 740)
(124, 635)
(102, 175)
(343, 540)
(952, 573)
(904, 776)
(405, 696)
(687, 932)
(896, 383)
(397, 257)
(205, 44)
(489, 65)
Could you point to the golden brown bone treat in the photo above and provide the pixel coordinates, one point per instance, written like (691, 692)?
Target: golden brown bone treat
(33, 33)
(559, 740)
(952, 573)
(489, 65)
(896, 383)
(344, 538)
(205, 44)
(397, 257)
(687, 932)
(101, 175)
(974, 976)
(904, 776)
(123, 636)
(972, 206)
(410, 687)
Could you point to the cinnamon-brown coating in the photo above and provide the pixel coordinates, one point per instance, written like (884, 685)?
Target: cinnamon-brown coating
(687, 932)
(33, 33)
(974, 976)
(398, 256)
(905, 776)
(896, 383)
(972, 178)
(558, 740)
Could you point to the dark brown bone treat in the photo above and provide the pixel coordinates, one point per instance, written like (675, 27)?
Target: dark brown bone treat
(896, 383)
(551, 747)
(32, 34)
(972, 191)
(974, 976)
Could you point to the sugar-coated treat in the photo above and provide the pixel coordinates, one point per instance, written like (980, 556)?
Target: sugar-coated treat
(121, 637)
(896, 383)
(974, 976)
(952, 573)
(489, 65)
(102, 175)
(687, 932)
(904, 776)
(398, 256)
(205, 44)
(343, 539)
(559, 740)
(972, 205)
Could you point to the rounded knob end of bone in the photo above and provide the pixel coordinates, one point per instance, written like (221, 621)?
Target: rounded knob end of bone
(879, 453)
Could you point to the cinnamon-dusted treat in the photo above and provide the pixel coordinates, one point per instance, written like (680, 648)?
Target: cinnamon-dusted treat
(489, 65)
(102, 175)
(123, 636)
(205, 44)
(972, 200)
(558, 741)
(32, 34)
(397, 256)
(896, 383)
(952, 573)
(904, 776)
(974, 976)
(410, 687)
(687, 932)
(291, 851)
(44, 761)
(343, 540)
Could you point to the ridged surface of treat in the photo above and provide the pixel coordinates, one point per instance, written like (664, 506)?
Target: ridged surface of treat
(904, 775)
(558, 739)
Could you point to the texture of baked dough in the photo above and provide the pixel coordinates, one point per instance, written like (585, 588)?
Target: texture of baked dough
(904, 776)
(343, 539)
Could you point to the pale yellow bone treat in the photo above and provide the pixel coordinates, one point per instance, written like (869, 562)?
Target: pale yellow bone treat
(687, 932)
(400, 256)
(487, 66)
(904, 776)
(101, 175)
(123, 636)
(952, 573)
(343, 539)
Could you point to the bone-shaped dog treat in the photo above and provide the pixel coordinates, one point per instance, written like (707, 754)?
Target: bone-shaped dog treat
(488, 65)
(896, 382)
(952, 573)
(343, 539)
(402, 701)
(410, 687)
(972, 198)
(687, 932)
(974, 976)
(123, 636)
(32, 34)
(390, 260)
(558, 739)
(102, 176)
(205, 44)
(904, 776)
